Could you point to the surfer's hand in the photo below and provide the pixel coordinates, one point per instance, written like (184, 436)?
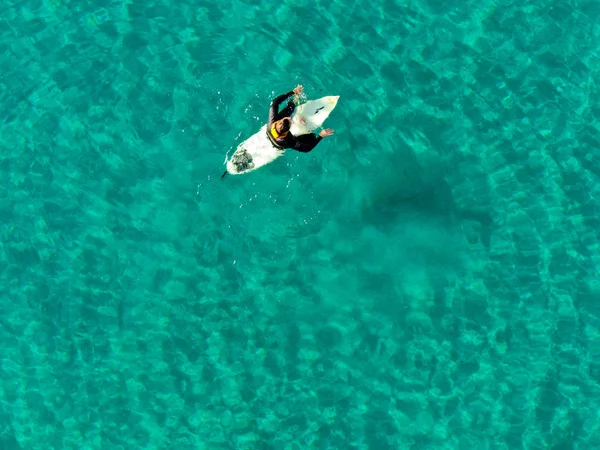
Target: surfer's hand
(298, 89)
(326, 132)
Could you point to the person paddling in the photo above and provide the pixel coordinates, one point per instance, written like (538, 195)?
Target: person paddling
(279, 124)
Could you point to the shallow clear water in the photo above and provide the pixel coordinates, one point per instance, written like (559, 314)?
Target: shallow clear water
(426, 278)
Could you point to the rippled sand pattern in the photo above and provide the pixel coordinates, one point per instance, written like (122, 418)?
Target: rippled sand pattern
(427, 278)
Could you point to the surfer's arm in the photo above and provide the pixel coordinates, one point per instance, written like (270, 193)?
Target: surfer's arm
(274, 109)
(306, 142)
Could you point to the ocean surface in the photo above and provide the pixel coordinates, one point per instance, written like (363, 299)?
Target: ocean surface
(426, 278)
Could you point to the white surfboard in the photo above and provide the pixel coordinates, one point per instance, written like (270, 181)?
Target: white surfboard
(258, 151)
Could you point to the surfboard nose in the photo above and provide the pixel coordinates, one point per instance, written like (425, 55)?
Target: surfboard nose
(333, 99)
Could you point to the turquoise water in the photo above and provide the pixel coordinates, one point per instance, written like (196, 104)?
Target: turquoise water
(427, 278)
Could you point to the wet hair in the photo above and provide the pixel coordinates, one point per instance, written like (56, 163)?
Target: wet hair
(284, 125)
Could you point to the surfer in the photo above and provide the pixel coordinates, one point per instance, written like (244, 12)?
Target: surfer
(259, 149)
(278, 127)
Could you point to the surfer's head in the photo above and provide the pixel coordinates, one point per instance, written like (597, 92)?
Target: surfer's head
(283, 125)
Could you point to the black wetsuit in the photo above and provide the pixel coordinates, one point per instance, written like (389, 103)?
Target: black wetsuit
(303, 143)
